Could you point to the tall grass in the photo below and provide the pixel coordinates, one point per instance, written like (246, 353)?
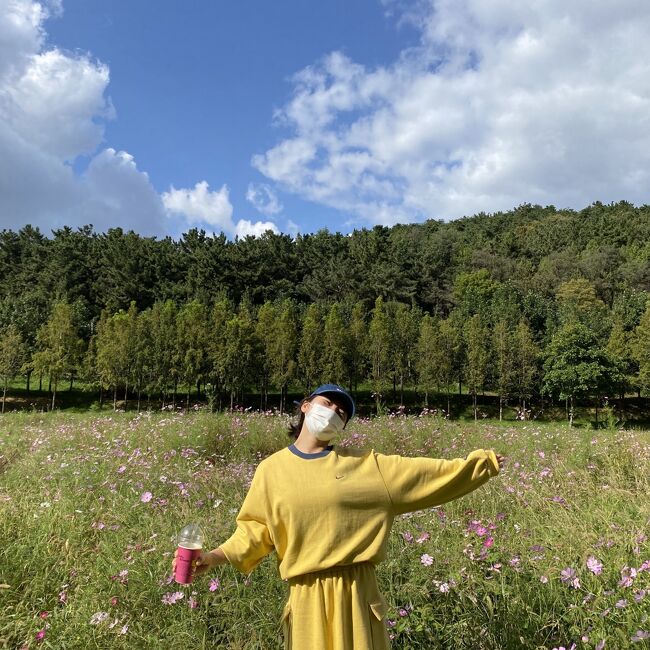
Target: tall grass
(90, 506)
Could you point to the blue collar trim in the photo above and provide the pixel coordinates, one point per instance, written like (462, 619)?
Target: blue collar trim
(319, 454)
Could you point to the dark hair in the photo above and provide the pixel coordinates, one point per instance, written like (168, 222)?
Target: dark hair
(295, 426)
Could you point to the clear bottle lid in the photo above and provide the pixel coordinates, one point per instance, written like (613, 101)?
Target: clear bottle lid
(191, 534)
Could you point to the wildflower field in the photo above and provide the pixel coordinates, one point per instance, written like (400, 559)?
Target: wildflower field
(554, 553)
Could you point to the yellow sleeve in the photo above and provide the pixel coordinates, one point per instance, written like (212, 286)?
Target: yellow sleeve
(416, 483)
(251, 541)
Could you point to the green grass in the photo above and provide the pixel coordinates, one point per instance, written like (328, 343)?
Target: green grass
(72, 519)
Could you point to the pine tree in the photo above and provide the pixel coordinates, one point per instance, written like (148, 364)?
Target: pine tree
(502, 344)
(446, 356)
(476, 338)
(282, 350)
(379, 350)
(217, 348)
(526, 355)
(192, 338)
(60, 349)
(264, 328)
(164, 350)
(239, 340)
(310, 351)
(641, 350)
(357, 350)
(12, 357)
(405, 329)
(335, 346)
(428, 337)
(620, 350)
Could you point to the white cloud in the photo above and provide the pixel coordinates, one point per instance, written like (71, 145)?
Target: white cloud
(200, 205)
(52, 110)
(212, 210)
(55, 104)
(263, 198)
(499, 104)
(245, 228)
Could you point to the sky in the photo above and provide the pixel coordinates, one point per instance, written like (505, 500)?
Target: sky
(292, 116)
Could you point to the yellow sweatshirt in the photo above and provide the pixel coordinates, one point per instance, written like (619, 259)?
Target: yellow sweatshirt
(337, 507)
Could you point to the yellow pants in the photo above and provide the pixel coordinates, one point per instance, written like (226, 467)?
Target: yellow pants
(336, 609)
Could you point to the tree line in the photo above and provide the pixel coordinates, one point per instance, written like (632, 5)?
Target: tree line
(167, 352)
(531, 302)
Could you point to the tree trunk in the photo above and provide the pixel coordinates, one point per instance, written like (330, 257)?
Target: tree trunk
(40, 382)
(597, 402)
(101, 397)
(500, 408)
(426, 398)
(401, 389)
(475, 409)
(139, 394)
(29, 376)
(448, 406)
(174, 394)
(187, 404)
(232, 399)
(571, 413)
(54, 394)
(71, 381)
(115, 398)
(4, 395)
(49, 384)
(126, 395)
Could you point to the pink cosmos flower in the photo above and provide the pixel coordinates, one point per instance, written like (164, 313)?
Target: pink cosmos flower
(40, 635)
(543, 579)
(627, 577)
(193, 603)
(640, 635)
(621, 603)
(98, 617)
(489, 542)
(426, 559)
(408, 537)
(568, 576)
(214, 584)
(444, 588)
(170, 598)
(594, 565)
(44, 614)
(145, 497)
(422, 538)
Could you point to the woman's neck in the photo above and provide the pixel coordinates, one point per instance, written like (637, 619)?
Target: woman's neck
(309, 444)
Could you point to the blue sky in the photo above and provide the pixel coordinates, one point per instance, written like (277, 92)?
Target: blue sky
(298, 115)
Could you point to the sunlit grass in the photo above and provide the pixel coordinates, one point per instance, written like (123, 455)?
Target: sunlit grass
(85, 551)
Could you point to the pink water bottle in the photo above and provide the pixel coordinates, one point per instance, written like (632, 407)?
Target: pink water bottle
(190, 543)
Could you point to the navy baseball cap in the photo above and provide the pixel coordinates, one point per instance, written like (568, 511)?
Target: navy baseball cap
(335, 389)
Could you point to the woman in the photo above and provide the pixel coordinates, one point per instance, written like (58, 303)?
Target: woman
(327, 513)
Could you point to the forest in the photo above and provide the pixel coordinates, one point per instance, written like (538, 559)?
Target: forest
(531, 306)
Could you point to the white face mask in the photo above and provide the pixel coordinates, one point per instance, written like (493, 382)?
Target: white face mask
(323, 422)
